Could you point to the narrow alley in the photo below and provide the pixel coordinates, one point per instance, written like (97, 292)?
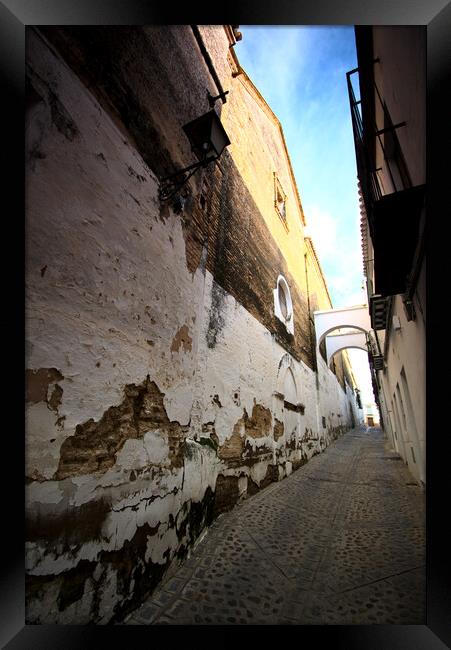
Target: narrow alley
(340, 541)
(204, 444)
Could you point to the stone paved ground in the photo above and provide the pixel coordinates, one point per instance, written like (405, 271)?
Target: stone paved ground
(340, 541)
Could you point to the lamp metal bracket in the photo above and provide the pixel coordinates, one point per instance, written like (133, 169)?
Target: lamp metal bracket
(212, 100)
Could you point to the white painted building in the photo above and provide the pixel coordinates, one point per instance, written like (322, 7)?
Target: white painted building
(389, 120)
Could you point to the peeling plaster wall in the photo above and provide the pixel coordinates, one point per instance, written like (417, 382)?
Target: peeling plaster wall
(237, 372)
(110, 301)
(155, 398)
(406, 352)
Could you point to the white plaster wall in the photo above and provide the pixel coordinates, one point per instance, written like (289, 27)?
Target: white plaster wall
(407, 349)
(233, 365)
(116, 275)
(401, 53)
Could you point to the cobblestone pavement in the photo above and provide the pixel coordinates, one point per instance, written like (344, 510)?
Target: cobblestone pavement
(340, 541)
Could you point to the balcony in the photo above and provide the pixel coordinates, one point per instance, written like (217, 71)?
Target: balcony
(378, 312)
(393, 207)
(378, 362)
(396, 220)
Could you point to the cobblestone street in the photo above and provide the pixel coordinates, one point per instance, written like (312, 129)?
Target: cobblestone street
(340, 541)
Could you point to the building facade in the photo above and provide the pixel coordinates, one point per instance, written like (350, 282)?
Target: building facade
(172, 362)
(389, 124)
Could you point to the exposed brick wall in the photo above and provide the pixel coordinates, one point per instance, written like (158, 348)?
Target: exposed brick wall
(242, 254)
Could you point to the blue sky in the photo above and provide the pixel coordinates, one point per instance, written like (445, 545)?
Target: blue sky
(301, 73)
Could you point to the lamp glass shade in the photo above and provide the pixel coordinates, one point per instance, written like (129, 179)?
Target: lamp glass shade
(207, 136)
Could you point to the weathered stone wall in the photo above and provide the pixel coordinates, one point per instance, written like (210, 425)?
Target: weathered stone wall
(156, 370)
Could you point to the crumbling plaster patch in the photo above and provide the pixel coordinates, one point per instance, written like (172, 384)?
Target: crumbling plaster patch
(38, 383)
(100, 290)
(152, 503)
(43, 442)
(182, 339)
(95, 445)
(255, 371)
(233, 363)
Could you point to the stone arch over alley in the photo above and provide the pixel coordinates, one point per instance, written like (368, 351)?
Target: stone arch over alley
(355, 317)
(351, 340)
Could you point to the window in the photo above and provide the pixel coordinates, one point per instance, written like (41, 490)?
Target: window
(280, 200)
(283, 301)
(283, 306)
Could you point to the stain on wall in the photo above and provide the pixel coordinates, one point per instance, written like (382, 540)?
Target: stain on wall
(278, 429)
(182, 339)
(226, 493)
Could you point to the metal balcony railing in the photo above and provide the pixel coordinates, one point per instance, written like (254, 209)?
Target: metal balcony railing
(377, 142)
(392, 207)
(371, 190)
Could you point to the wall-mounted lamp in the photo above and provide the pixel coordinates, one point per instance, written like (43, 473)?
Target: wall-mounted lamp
(208, 140)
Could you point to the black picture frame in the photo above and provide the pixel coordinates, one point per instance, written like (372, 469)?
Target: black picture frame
(15, 15)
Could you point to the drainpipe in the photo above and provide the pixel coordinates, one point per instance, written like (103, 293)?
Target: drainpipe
(209, 62)
(313, 350)
(315, 367)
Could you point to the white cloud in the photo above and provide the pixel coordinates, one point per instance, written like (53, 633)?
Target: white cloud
(357, 298)
(322, 228)
(340, 258)
(275, 57)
